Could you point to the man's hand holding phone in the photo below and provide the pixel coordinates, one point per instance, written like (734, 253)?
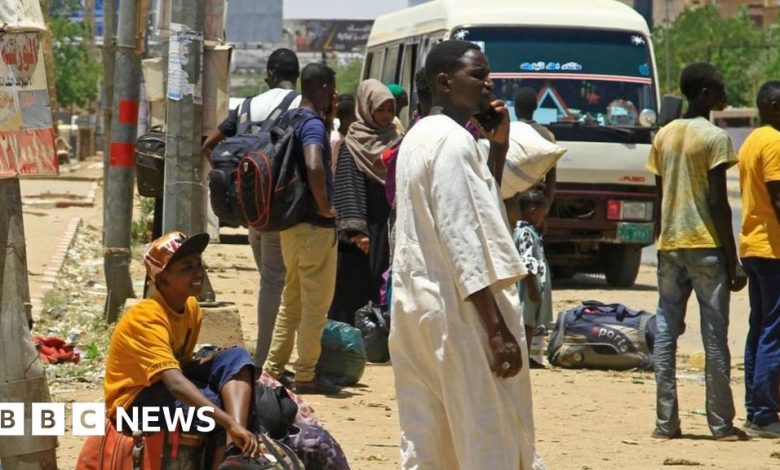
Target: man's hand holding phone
(494, 123)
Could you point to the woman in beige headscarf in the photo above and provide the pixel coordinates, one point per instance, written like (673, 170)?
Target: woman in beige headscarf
(361, 202)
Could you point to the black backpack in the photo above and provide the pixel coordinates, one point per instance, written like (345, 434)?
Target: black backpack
(227, 154)
(272, 185)
(150, 162)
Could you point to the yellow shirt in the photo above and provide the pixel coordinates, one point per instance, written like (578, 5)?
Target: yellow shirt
(682, 154)
(149, 338)
(759, 162)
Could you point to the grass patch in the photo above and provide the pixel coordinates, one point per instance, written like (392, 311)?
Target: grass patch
(54, 299)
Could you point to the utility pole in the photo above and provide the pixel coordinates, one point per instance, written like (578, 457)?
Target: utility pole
(119, 186)
(109, 51)
(185, 197)
(89, 23)
(22, 378)
(667, 45)
(48, 62)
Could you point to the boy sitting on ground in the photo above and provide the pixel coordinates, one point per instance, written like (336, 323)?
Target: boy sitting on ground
(150, 362)
(535, 288)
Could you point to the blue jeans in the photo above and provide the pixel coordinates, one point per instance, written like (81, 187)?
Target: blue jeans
(209, 378)
(681, 272)
(762, 348)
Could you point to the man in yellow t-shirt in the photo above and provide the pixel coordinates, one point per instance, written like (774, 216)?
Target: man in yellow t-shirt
(149, 361)
(696, 250)
(759, 178)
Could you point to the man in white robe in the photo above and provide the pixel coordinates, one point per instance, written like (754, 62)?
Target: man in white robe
(462, 382)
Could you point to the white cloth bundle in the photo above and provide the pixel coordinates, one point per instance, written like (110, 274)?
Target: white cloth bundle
(529, 158)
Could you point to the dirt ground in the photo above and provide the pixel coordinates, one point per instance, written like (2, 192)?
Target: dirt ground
(584, 419)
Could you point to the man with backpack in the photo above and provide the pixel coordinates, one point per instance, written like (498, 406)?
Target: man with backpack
(309, 247)
(696, 250)
(283, 71)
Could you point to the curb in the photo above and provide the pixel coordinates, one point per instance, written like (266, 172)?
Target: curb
(50, 276)
(76, 201)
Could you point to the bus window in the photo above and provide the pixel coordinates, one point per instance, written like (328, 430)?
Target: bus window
(390, 67)
(374, 61)
(369, 63)
(407, 79)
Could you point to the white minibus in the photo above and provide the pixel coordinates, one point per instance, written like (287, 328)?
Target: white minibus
(592, 66)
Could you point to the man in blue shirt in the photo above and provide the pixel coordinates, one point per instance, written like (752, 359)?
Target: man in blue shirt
(309, 248)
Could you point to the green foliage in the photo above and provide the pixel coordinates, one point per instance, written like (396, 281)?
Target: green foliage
(54, 300)
(76, 67)
(735, 45)
(141, 227)
(348, 77)
(251, 86)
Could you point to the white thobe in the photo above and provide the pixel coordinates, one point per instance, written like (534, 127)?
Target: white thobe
(452, 241)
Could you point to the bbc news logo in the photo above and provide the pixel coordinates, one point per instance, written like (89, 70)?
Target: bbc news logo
(89, 419)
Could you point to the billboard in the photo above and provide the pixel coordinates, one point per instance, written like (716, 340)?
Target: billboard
(26, 133)
(328, 35)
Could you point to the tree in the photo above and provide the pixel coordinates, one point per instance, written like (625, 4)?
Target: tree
(250, 85)
(736, 46)
(76, 68)
(348, 77)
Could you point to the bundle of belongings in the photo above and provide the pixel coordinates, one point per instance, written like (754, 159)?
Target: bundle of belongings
(289, 430)
(529, 158)
(343, 357)
(595, 335)
(287, 418)
(374, 325)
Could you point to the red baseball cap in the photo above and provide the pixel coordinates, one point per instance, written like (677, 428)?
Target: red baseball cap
(171, 247)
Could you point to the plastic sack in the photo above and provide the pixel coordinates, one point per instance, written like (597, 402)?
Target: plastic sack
(343, 356)
(374, 325)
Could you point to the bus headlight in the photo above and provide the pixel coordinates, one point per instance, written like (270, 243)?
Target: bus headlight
(629, 210)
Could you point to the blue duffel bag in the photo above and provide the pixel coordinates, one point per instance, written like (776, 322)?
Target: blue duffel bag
(596, 335)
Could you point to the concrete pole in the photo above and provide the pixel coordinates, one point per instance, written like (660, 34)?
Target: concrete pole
(48, 62)
(109, 51)
(185, 198)
(22, 378)
(667, 46)
(119, 186)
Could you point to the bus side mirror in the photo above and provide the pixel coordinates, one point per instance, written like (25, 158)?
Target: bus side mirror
(671, 109)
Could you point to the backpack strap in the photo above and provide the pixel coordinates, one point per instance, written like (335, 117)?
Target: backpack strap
(244, 115)
(277, 113)
(245, 109)
(283, 106)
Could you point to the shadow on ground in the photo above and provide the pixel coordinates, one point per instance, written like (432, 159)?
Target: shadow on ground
(595, 282)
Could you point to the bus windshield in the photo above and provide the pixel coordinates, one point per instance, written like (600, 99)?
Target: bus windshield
(590, 76)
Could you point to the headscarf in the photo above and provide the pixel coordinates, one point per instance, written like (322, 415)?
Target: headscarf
(365, 140)
(396, 89)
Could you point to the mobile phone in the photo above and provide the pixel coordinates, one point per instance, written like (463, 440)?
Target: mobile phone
(489, 119)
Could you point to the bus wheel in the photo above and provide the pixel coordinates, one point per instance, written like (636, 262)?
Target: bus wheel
(563, 272)
(622, 265)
